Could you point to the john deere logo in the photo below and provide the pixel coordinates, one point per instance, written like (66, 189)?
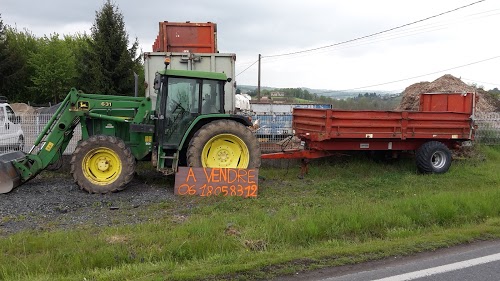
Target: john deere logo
(49, 146)
(83, 105)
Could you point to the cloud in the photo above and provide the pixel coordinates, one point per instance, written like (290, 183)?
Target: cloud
(249, 28)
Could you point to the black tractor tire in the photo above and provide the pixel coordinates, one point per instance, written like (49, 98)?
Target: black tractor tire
(232, 132)
(433, 157)
(102, 164)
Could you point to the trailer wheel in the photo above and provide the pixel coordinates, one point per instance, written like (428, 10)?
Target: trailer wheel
(433, 157)
(102, 164)
(224, 144)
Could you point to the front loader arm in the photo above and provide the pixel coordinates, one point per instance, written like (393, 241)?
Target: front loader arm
(75, 108)
(51, 141)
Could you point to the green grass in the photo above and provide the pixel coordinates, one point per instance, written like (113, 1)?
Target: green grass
(345, 211)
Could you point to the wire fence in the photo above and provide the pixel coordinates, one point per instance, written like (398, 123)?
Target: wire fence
(488, 124)
(32, 125)
(275, 131)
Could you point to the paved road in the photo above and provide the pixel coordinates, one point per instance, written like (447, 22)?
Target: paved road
(475, 262)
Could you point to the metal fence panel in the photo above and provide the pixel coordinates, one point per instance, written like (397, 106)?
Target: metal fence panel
(488, 128)
(33, 124)
(275, 131)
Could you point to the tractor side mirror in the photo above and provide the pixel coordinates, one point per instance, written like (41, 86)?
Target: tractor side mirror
(156, 84)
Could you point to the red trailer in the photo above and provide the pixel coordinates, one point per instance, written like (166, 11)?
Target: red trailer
(444, 122)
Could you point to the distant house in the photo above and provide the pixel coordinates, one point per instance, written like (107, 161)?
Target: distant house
(277, 94)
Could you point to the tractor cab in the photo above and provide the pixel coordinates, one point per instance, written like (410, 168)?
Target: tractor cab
(183, 97)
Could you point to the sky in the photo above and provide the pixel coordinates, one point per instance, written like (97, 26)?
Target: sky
(390, 44)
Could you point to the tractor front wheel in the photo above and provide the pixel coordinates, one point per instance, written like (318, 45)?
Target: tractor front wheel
(224, 144)
(102, 164)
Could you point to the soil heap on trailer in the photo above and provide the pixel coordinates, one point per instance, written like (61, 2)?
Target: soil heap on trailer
(446, 84)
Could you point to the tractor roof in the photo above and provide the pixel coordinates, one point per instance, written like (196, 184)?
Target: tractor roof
(194, 74)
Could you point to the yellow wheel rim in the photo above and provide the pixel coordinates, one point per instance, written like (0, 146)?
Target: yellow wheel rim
(101, 166)
(225, 151)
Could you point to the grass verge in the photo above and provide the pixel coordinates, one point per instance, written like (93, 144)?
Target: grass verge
(344, 212)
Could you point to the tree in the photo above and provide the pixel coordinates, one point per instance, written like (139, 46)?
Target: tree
(10, 64)
(15, 74)
(2, 34)
(3, 54)
(108, 64)
(495, 93)
(54, 69)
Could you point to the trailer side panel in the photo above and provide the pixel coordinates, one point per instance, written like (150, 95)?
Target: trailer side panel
(319, 125)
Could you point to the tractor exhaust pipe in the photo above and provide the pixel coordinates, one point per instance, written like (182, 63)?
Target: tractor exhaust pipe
(9, 176)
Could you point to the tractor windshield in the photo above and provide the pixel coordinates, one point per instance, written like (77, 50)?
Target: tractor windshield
(185, 99)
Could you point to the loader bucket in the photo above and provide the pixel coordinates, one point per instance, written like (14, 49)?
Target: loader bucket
(9, 176)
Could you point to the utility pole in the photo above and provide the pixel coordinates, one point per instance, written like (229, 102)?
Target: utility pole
(136, 84)
(258, 81)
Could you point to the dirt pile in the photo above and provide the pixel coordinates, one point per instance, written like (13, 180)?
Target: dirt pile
(446, 83)
(22, 108)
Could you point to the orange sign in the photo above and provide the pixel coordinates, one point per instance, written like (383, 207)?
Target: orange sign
(216, 182)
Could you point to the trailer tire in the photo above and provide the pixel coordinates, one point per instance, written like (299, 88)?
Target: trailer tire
(102, 164)
(224, 144)
(433, 157)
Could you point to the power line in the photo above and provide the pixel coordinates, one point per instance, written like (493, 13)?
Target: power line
(477, 81)
(374, 34)
(394, 35)
(423, 75)
(400, 33)
(247, 68)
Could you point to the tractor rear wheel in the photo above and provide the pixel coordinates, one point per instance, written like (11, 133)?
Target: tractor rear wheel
(102, 164)
(224, 144)
(433, 157)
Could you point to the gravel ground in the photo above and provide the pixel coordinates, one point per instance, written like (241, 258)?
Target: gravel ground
(53, 201)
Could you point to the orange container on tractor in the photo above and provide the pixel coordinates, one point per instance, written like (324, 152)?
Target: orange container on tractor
(186, 37)
(444, 122)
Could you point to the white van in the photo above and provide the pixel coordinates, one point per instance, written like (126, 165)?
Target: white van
(11, 134)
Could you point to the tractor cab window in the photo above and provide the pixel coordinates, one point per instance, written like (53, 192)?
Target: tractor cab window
(182, 107)
(182, 96)
(211, 97)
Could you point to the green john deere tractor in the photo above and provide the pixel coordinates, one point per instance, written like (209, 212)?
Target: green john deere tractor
(187, 126)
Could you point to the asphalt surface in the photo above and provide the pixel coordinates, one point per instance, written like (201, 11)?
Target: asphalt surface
(476, 261)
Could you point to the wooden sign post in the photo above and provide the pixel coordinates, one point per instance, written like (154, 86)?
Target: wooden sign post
(216, 182)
